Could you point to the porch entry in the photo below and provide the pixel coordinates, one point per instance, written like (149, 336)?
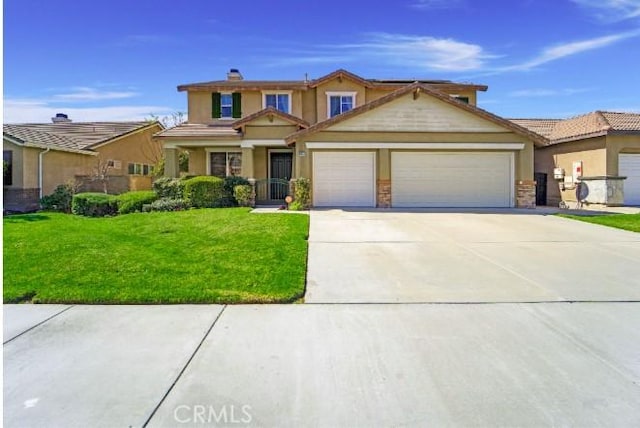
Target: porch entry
(274, 189)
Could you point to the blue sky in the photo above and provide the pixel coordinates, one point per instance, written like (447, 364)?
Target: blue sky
(122, 60)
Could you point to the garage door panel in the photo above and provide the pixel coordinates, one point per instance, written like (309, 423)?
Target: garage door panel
(451, 179)
(344, 179)
(629, 166)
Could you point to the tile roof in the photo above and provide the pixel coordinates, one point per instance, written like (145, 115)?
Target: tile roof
(416, 88)
(270, 111)
(197, 130)
(588, 125)
(303, 85)
(70, 136)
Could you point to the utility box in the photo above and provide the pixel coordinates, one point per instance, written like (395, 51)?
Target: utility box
(558, 174)
(577, 170)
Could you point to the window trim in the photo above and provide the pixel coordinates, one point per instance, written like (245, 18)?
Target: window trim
(352, 94)
(288, 93)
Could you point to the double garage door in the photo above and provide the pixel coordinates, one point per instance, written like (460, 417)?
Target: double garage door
(629, 166)
(418, 179)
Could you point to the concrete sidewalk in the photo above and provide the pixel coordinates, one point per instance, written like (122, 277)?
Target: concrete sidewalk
(326, 366)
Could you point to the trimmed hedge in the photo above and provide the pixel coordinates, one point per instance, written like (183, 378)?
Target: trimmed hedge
(230, 183)
(204, 192)
(166, 204)
(131, 202)
(94, 204)
(243, 194)
(167, 187)
(59, 200)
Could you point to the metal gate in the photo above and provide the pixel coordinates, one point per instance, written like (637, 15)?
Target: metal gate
(271, 191)
(541, 188)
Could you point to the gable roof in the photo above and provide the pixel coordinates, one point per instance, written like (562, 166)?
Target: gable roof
(271, 112)
(417, 88)
(594, 124)
(80, 137)
(341, 74)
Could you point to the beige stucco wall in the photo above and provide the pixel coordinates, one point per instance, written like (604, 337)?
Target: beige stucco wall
(138, 147)
(60, 168)
(592, 152)
(268, 132)
(197, 161)
(337, 86)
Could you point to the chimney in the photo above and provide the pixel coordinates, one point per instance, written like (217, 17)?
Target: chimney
(234, 74)
(60, 118)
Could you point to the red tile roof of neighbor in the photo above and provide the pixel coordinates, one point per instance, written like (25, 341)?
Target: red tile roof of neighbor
(588, 125)
(70, 136)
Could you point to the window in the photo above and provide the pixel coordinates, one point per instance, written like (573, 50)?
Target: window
(339, 102)
(7, 167)
(140, 169)
(226, 106)
(223, 164)
(278, 100)
(463, 99)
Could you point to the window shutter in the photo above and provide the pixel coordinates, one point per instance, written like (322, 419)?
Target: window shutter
(237, 105)
(216, 111)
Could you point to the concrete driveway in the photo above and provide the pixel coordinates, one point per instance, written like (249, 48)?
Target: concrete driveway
(387, 256)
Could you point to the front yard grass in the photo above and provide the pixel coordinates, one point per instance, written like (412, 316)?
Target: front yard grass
(621, 221)
(196, 256)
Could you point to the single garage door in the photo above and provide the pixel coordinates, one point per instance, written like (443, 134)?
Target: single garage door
(344, 179)
(451, 179)
(629, 166)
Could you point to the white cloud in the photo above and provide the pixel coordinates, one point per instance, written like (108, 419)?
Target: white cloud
(559, 51)
(421, 53)
(81, 94)
(436, 4)
(41, 111)
(611, 10)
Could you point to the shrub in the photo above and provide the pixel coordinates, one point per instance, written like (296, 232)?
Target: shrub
(204, 192)
(243, 194)
(301, 195)
(131, 202)
(230, 183)
(94, 204)
(167, 187)
(166, 204)
(59, 200)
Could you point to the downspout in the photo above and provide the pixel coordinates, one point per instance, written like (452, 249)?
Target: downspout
(40, 156)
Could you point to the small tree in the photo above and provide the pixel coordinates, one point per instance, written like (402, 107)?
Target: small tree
(101, 173)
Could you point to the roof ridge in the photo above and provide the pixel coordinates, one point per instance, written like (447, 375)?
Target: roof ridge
(606, 125)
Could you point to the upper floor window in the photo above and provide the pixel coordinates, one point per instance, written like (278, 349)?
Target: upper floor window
(339, 102)
(278, 100)
(7, 167)
(226, 106)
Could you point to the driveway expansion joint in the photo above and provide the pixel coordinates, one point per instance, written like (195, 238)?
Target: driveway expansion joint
(38, 324)
(164, 397)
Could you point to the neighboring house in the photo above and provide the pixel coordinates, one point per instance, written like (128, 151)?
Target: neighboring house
(40, 156)
(598, 148)
(361, 142)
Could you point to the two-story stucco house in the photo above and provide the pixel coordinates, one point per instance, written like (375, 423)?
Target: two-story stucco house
(361, 142)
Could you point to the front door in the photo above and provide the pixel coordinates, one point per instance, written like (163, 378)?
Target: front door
(280, 167)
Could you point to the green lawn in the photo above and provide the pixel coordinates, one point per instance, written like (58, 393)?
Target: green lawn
(197, 256)
(621, 221)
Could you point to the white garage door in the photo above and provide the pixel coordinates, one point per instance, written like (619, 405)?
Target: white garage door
(344, 179)
(451, 179)
(629, 166)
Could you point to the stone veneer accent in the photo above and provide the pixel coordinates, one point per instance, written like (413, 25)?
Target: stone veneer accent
(525, 194)
(383, 199)
(21, 200)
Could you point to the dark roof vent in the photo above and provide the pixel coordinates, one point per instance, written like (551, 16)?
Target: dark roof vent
(234, 74)
(60, 118)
